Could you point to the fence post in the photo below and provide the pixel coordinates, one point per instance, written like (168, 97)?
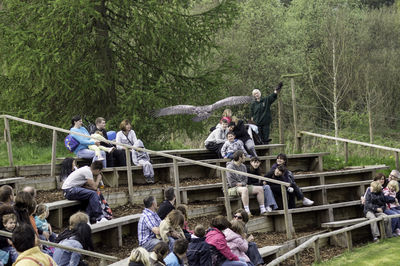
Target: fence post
(294, 108)
(226, 196)
(346, 152)
(129, 174)
(297, 259)
(53, 155)
(382, 228)
(7, 137)
(298, 142)
(176, 179)
(396, 154)
(316, 251)
(281, 133)
(349, 240)
(288, 216)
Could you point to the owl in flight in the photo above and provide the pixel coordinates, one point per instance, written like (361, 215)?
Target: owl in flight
(202, 112)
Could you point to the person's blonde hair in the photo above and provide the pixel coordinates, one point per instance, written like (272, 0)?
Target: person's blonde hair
(176, 219)
(140, 255)
(99, 132)
(76, 218)
(124, 123)
(238, 227)
(9, 216)
(393, 184)
(42, 211)
(227, 113)
(376, 186)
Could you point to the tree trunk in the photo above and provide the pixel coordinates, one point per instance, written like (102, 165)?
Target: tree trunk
(335, 96)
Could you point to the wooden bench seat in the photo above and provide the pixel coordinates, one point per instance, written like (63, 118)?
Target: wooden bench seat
(111, 232)
(61, 209)
(319, 207)
(343, 223)
(12, 181)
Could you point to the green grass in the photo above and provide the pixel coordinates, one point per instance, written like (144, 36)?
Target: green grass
(382, 253)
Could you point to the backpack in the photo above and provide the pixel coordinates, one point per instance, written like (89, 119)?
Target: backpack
(70, 143)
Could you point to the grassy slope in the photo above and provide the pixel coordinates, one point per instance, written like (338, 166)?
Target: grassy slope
(383, 253)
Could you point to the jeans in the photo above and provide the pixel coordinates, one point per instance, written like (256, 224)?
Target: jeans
(250, 147)
(88, 154)
(269, 199)
(395, 221)
(234, 263)
(253, 254)
(149, 245)
(79, 193)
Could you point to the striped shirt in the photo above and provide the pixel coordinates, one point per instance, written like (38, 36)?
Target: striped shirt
(147, 221)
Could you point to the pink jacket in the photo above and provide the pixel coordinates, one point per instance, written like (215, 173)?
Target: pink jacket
(217, 239)
(387, 192)
(237, 244)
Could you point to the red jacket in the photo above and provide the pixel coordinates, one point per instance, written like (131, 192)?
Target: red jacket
(217, 239)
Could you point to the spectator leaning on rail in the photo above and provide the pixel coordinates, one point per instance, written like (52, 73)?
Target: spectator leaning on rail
(81, 185)
(82, 151)
(238, 183)
(149, 225)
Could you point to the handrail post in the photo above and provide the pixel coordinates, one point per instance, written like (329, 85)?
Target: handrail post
(53, 154)
(288, 216)
(349, 240)
(298, 137)
(176, 179)
(346, 152)
(317, 254)
(396, 154)
(129, 174)
(294, 108)
(226, 196)
(382, 228)
(7, 137)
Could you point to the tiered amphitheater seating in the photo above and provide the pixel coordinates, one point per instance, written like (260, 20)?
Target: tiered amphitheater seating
(336, 195)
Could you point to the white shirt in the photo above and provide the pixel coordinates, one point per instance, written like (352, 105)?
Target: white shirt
(78, 178)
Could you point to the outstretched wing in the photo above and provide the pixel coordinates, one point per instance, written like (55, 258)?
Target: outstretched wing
(201, 118)
(175, 110)
(233, 100)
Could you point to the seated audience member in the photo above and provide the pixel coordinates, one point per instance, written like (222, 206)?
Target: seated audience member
(143, 158)
(393, 208)
(231, 146)
(81, 237)
(237, 183)
(139, 257)
(42, 212)
(81, 185)
(30, 190)
(254, 168)
(252, 251)
(171, 228)
(394, 175)
(238, 127)
(24, 208)
(158, 254)
(126, 135)
(98, 136)
(199, 253)
(221, 254)
(226, 115)
(176, 257)
(168, 204)
(149, 225)
(188, 233)
(74, 220)
(235, 237)
(9, 221)
(217, 138)
(68, 165)
(281, 159)
(115, 158)
(23, 239)
(82, 151)
(379, 177)
(375, 205)
(6, 195)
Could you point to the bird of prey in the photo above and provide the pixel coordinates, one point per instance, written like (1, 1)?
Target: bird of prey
(202, 112)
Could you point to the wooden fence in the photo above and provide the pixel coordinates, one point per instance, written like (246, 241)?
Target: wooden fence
(346, 145)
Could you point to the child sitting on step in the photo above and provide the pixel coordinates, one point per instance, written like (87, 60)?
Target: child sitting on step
(199, 253)
(42, 212)
(8, 252)
(142, 158)
(171, 228)
(232, 145)
(98, 136)
(235, 237)
(375, 206)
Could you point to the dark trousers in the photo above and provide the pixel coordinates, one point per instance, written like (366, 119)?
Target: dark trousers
(276, 190)
(116, 158)
(79, 193)
(212, 146)
(253, 254)
(263, 131)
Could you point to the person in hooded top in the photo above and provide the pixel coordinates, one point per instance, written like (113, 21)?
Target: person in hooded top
(142, 158)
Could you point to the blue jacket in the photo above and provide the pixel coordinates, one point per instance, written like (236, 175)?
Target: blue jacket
(199, 252)
(83, 142)
(172, 260)
(67, 258)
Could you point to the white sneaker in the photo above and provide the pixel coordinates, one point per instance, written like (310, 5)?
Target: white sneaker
(268, 209)
(102, 220)
(100, 158)
(307, 202)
